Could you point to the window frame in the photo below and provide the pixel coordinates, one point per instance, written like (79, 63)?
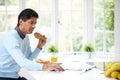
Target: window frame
(88, 22)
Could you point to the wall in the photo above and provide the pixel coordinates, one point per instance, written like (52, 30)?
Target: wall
(117, 27)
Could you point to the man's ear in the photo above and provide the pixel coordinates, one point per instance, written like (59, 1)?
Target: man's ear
(21, 21)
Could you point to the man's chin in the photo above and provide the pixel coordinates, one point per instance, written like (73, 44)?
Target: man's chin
(29, 33)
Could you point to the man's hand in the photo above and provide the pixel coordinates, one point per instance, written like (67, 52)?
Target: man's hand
(52, 67)
(41, 43)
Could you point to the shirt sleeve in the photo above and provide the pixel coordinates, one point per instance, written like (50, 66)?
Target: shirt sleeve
(32, 54)
(13, 48)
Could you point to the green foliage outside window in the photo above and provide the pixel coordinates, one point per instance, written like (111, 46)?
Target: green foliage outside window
(2, 2)
(77, 43)
(104, 22)
(109, 4)
(2, 22)
(9, 2)
(110, 20)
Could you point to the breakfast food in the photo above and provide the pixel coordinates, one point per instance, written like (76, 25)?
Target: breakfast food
(39, 36)
(42, 61)
(47, 62)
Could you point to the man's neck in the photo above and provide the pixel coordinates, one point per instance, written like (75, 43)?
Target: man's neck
(20, 32)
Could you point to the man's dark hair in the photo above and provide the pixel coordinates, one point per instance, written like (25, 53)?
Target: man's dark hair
(27, 14)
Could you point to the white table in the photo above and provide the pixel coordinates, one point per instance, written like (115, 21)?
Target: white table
(94, 74)
(71, 74)
(76, 67)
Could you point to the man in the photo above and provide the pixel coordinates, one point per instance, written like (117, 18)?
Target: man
(15, 51)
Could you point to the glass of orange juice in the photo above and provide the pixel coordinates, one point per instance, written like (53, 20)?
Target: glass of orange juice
(54, 59)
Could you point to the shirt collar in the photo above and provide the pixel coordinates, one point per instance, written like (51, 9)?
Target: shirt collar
(19, 32)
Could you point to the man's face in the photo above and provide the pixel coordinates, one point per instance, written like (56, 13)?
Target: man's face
(28, 26)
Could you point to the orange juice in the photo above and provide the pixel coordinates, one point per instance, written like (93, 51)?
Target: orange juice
(54, 59)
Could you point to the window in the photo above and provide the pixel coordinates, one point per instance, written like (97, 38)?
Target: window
(70, 25)
(67, 23)
(61, 22)
(8, 14)
(104, 25)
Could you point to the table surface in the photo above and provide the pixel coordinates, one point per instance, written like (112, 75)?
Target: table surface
(94, 74)
(75, 69)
